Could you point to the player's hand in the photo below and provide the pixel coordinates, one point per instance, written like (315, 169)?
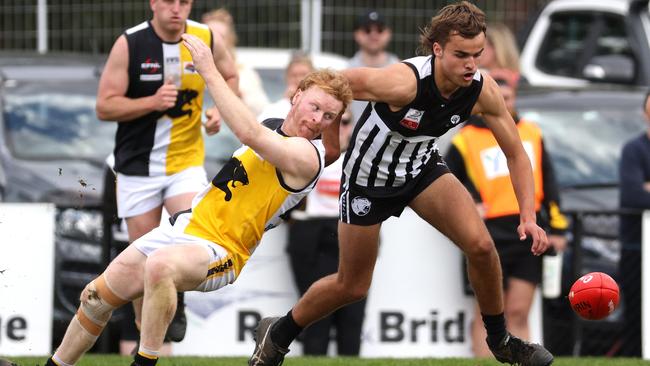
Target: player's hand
(540, 241)
(165, 96)
(213, 123)
(202, 57)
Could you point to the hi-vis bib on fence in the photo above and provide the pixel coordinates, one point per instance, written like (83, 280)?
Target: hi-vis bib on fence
(487, 167)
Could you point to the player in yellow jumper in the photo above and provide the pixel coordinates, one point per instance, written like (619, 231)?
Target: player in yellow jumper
(151, 89)
(207, 247)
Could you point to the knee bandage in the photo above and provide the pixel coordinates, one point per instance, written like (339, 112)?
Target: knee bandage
(97, 304)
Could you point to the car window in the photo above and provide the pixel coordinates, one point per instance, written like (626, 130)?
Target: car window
(56, 121)
(574, 38)
(585, 144)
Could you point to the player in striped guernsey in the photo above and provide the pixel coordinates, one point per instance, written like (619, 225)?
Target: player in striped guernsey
(393, 162)
(150, 87)
(207, 246)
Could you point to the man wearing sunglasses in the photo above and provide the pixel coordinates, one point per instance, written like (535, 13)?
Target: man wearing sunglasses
(372, 35)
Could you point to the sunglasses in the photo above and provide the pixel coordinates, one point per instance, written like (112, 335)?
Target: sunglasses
(376, 28)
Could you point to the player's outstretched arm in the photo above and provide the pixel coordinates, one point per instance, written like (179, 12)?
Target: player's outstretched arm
(296, 157)
(225, 63)
(394, 85)
(500, 122)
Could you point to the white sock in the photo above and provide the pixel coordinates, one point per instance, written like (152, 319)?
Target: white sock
(58, 361)
(145, 351)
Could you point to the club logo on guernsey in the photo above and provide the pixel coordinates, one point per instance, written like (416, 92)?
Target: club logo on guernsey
(412, 119)
(360, 206)
(230, 176)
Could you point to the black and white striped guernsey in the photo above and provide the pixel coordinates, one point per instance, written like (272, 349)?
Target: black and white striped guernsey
(389, 149)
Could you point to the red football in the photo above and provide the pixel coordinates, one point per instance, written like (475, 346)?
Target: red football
(594, 296)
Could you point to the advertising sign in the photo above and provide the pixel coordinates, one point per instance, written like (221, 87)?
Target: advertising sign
(416, 305)
(26, 278)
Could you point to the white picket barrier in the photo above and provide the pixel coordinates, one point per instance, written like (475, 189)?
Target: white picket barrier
(26, 278)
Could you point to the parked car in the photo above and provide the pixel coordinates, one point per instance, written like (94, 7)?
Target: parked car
(572, 43)
(52, 149)
(584, 132)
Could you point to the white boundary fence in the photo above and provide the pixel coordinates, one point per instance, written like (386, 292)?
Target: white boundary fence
(416, 305)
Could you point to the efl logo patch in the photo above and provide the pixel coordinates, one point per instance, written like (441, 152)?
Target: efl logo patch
(412, 119)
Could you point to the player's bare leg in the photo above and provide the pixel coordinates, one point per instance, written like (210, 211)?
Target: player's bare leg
(457, 217)
(448, 207)
(168, 270)
(137, 226)
(358, 247)
(477, 330)
(178, 326)
(121, 282)
(518, 301)
(141, 224)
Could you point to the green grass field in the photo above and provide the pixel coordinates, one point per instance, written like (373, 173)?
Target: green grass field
(112, 360)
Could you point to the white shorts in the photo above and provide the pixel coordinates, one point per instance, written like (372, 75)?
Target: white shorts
(221, 270)
(137, 195)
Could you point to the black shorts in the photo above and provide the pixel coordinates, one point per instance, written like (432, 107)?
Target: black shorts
(369, 206)
(517, 261)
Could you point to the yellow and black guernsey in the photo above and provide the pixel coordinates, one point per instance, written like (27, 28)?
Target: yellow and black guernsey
(246, 198)
(162, 143)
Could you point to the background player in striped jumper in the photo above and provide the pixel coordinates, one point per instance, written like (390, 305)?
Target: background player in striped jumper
(207, 246)
(393, 163)
(151, 89)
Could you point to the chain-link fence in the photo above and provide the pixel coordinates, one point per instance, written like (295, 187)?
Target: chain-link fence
(91, 26)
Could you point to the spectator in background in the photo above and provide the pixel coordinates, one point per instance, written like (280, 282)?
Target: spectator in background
(157, 102)
(477, 161)
(314, 253)
(501, 53)
(251, 91)
(299, 66)
(372, 36)
(634, 173)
